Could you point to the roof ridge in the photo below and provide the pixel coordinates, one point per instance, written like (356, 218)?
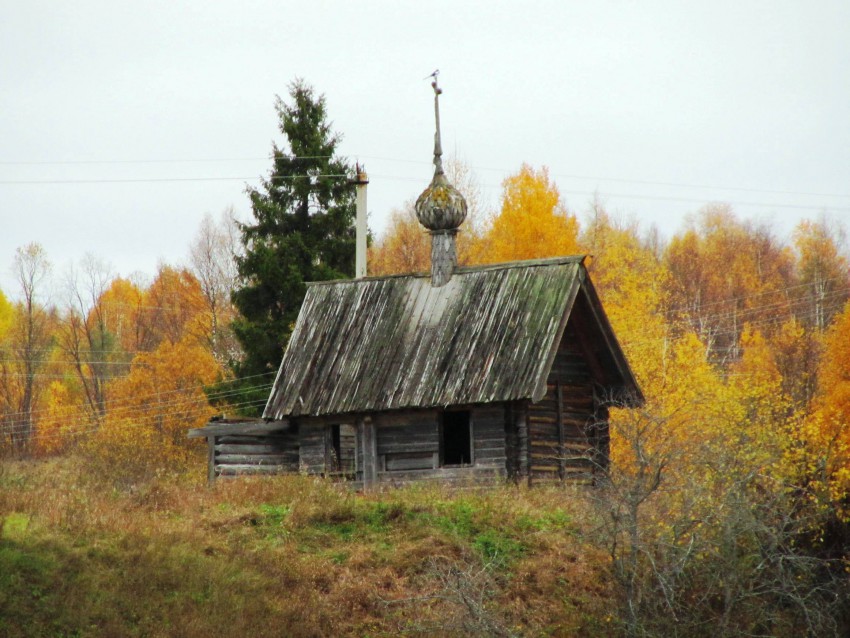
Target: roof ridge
(525, 263)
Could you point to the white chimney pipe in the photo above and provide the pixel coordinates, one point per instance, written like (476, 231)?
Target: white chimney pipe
(360, 225)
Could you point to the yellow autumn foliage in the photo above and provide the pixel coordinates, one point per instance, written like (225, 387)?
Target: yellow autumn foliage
(533, 221)
(62, 420)
(823, 454)
(151, 409)
(405, 247)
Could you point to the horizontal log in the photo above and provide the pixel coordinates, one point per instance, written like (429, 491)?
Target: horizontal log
(409, 463)
(539, 466)
(543, 435)
(549, 456)
(242, 427)
(495, 445)
(546, 433)
(446, 474)
(569, 444)
(488, 433)
(401, 448)
(406, 420)
(383, 435)
(287, 440)
(257, 459)
(490, 451)
(548, 478)
(545, 461)
(491, 460)
(247, 470)
(234, 448)
(490, 441)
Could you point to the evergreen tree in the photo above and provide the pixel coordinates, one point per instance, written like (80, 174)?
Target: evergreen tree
(303, 230)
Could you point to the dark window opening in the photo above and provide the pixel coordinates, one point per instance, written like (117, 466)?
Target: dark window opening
(335, 460)
(457, 438)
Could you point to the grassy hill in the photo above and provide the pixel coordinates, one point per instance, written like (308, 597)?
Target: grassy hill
(292, 556)
(300, 556)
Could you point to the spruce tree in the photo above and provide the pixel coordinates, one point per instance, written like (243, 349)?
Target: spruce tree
(303, 230)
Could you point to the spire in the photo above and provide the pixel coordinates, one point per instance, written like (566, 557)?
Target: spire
(440, 208)
(438, 146)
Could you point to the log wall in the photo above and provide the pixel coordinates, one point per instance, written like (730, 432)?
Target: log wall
(242, 455)
(408, 446)
(564, 428)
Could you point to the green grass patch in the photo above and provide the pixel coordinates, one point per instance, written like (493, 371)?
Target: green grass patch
(14, 526)
(294, 556)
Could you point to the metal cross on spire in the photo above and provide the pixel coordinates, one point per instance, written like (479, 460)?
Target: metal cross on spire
(440, 208)
(438, 147)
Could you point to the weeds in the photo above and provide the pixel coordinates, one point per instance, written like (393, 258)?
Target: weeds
(300, 556)
(292, 555)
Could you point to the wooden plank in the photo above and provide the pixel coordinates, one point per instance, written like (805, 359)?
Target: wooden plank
(369, 451)
(409, 462)
(244, 427)
(560, 395)
(248, 470)
(525, 447)
(211, 460)
(282, 443)
(234, 448)
(494, 447)
(258, 459)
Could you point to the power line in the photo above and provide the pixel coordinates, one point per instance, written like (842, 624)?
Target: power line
(154, 395)
(834, 307)
(150, 180)
(196, 160)
(632, 181)
(666, 184)
(132, 412)
(682, 308)
(85, 428)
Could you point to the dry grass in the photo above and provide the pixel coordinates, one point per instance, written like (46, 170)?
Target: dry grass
(292, 556)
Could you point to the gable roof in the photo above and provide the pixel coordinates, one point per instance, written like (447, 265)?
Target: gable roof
(490, 334)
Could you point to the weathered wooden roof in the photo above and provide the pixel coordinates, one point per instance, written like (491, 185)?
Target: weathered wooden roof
(387, 343)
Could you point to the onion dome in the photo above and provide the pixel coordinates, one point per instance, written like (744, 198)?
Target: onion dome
(440, 207)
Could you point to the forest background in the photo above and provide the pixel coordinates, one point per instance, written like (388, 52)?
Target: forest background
(740, 341)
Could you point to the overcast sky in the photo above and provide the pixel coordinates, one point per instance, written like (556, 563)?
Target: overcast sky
(122, 124)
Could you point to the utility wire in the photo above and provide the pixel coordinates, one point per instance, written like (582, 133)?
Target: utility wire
(80, 428)
(156, 395)
(134, 413)
(157, 161)
(146, 180)
(422, 162)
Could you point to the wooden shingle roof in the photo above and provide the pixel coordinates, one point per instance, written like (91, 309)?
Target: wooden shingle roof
(388, 343)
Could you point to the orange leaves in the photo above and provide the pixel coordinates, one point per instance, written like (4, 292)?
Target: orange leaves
(823, 270)
(533, 221)
(7, 311)
(725, 273)
(173, 308)
(404, 248)
(825, 433)
(150, 410)
(122, 308)
(164, 390)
